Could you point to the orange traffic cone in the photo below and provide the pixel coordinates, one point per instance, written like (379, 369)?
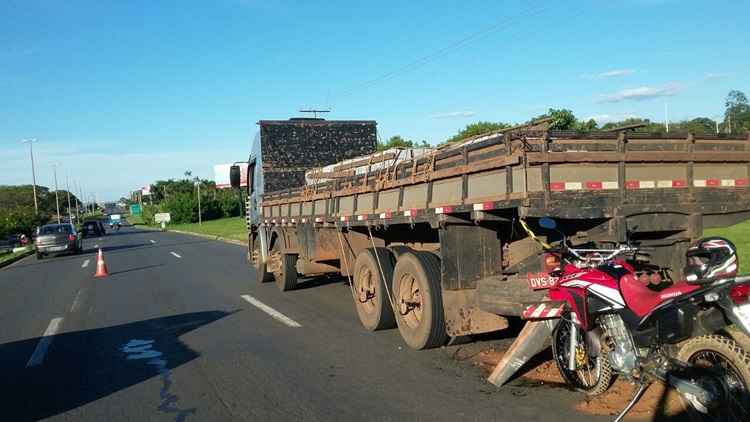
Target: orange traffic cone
(101, 267)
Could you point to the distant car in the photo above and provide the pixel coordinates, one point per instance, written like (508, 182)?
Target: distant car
(93, 228)
(58, 238)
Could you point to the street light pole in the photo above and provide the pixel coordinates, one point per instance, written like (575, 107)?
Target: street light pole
(78, 199)
(33, 171)
(57, 198)
(67, 189)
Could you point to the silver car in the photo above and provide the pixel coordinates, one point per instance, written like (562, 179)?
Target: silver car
(58, 238)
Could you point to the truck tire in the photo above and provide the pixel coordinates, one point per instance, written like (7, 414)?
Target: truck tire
(418, 299)
(261, 275)
(371, 297)
(286, 275)
(398, 250)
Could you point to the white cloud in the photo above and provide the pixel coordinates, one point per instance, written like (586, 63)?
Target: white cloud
(715, 75)
(614, 73)
(452, 114)
(640, 94)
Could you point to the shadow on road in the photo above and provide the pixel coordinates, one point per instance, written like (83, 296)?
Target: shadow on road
(145, 267)
(84, 366)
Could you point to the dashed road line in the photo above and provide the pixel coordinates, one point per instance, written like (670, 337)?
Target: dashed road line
(96, 246)
(176, 255)
(152, 241)
(273, 312)
(77, 301)
(85, 263)
(41, 348)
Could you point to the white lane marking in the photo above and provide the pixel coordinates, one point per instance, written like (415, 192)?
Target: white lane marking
(176, 254)
(152, 241)
(77, 301)
(85, 263)
(270, 311)
(41, 348)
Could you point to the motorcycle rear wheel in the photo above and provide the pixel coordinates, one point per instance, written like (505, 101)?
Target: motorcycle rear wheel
(594, 377)
(725, 358)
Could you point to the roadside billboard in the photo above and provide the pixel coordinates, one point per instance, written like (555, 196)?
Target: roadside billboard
(135, 209)
(221, 175)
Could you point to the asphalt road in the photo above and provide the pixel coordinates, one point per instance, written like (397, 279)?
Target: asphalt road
(172, 335)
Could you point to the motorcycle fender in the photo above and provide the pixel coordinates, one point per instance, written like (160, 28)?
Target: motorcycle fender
(543, 310)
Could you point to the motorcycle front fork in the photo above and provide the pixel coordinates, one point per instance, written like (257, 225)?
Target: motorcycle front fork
(572, 346)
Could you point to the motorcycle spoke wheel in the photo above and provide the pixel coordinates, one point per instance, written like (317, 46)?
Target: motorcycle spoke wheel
(722, 358)
(593, 375)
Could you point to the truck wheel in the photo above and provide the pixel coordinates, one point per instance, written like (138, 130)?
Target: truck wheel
(261, 275)
(284, 268)
(371, 297)
(418, 298)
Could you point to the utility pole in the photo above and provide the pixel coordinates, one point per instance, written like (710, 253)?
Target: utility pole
(67, 189)
(33, 170)
(666, 116)
(57, 197)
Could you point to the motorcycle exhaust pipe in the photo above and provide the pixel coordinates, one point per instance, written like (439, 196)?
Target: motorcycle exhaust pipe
(701, 392)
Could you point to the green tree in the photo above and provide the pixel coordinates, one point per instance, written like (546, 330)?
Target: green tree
(478, 128)
(397, 141)
(562, 119)
(737, 112)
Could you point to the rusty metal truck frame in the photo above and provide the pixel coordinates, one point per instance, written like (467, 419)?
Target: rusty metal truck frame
(435, 242)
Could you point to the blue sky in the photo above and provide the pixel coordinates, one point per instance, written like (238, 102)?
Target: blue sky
(122, 93)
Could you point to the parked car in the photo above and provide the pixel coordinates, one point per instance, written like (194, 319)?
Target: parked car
(58, 238)
(93, 228)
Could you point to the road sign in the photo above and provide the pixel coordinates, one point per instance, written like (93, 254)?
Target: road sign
(135, 209)
(163, 217)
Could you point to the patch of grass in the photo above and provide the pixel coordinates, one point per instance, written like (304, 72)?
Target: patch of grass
(229, 228)
(135, 220)
(739, 234)
(11, 255)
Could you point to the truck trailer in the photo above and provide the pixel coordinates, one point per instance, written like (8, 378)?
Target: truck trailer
(434, 244)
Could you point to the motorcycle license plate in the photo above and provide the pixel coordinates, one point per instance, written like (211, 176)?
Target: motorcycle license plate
(539, 281)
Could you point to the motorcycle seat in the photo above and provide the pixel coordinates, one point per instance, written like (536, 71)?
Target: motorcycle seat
(642, 300)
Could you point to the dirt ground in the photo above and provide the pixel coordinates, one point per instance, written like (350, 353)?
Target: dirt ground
(657, 403)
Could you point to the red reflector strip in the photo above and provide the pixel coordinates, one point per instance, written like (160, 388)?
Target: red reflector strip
(362, 217)
(632, 184)
(318, 220)
(344, 218)
(443, 210)
(385, 215)
(593, 185)
(740, 182)
(679, 183)
(557, 186)
(483, 206)
(713, 182)
(410, 213)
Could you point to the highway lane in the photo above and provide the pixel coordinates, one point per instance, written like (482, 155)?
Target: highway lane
(168, 336)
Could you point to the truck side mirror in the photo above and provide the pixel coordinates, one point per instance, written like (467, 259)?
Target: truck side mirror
(234, 176)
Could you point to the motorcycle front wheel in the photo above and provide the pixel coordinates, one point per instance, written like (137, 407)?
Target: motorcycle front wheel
(593, 375)
(725, 359)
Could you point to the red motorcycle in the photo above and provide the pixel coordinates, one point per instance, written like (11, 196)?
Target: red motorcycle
(609, 323)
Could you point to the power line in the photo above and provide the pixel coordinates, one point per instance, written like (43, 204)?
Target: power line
(507, 23)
